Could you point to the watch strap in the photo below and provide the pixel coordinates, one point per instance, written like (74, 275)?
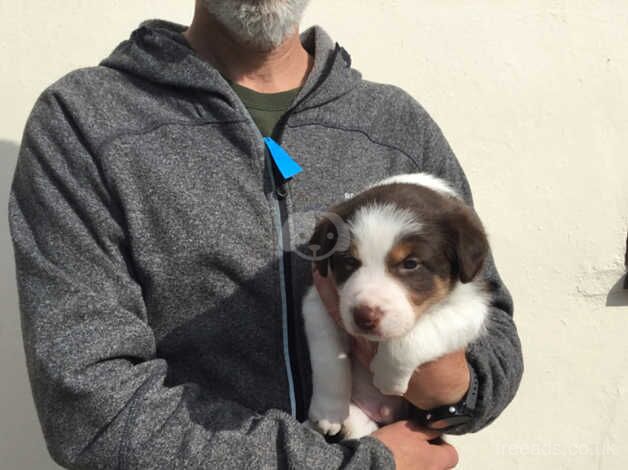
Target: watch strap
(446, 417)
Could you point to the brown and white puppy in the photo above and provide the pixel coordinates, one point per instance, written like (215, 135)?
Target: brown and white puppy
(405, 255)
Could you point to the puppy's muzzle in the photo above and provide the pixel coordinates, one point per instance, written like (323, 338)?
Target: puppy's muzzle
(367, 318)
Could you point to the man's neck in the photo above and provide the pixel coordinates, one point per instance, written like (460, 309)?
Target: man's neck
(284, 68)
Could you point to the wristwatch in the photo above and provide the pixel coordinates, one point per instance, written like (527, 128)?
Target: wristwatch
(446, 417)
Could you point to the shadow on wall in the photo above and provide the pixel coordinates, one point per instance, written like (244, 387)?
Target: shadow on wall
(22, 444)
(8, 157)
(618, 295)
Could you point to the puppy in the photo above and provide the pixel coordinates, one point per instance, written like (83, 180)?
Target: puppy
(405, 255)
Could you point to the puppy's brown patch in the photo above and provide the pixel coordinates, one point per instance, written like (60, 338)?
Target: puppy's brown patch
(429, 283)
(345, 263)
(421, 302)
(398, 253)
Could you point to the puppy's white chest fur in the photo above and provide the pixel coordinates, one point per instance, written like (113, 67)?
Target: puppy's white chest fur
(408, 280)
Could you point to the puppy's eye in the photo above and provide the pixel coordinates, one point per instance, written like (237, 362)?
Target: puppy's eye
(410, 264)
(351, 263)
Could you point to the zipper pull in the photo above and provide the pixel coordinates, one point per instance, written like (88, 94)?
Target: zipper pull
(282, 190)
(283, 161)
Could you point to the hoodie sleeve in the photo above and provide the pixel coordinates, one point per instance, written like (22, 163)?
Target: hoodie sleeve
(91, 354)
(496, 358)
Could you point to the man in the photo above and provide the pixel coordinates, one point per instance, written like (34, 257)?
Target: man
(152, 232)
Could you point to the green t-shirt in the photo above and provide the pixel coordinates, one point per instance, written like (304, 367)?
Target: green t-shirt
(265, 108)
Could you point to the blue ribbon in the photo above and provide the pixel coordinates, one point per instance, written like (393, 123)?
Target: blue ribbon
(285, 163)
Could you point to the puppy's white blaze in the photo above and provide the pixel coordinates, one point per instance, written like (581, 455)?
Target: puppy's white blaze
(421, 179)
(376, 229)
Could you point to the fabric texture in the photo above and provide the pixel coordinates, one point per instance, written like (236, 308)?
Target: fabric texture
(158, 264)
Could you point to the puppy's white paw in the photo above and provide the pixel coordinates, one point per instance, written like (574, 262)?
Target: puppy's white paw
(358, 424)
(327, 419)
(386, 379)
(390, 387)
(325, 427)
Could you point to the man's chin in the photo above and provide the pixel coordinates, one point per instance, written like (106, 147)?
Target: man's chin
(260, 24)
(258, 42)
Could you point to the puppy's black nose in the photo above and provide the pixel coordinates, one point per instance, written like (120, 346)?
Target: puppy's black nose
(365, 317)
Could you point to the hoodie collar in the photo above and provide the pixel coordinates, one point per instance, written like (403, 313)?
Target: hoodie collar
(159, 53)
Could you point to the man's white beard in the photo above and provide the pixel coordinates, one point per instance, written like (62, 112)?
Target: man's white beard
(263, 24)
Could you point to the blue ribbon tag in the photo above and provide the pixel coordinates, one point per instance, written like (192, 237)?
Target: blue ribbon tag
(286, 165)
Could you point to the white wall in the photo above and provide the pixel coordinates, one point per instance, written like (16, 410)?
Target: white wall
(532, 96)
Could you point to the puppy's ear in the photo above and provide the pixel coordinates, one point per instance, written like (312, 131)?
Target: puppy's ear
(322, 243)
(468, 242)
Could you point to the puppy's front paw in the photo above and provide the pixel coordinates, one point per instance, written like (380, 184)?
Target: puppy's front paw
(388, 380)
(389, 385)
(358, 424)
(326, 427)
(328, 419)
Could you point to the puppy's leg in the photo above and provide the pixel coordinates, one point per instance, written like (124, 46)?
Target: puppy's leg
(363, 396)
(358, 424)
(331, 368)
(393, 365)
(397, 359)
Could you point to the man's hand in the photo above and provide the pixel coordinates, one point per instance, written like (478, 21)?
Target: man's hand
(440, 382)
(412, 449)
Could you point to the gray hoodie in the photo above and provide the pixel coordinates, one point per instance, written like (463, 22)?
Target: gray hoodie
(156, 255)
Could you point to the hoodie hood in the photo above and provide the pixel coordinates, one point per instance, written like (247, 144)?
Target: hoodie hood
(158, 52)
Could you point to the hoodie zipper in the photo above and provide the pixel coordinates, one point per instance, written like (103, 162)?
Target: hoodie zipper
(294, 369)
(290, 336)
(279, 216)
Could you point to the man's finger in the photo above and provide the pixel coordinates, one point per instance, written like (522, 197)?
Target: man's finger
(448, 454)
(363, 350)
(326, 289)
(328, 294)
